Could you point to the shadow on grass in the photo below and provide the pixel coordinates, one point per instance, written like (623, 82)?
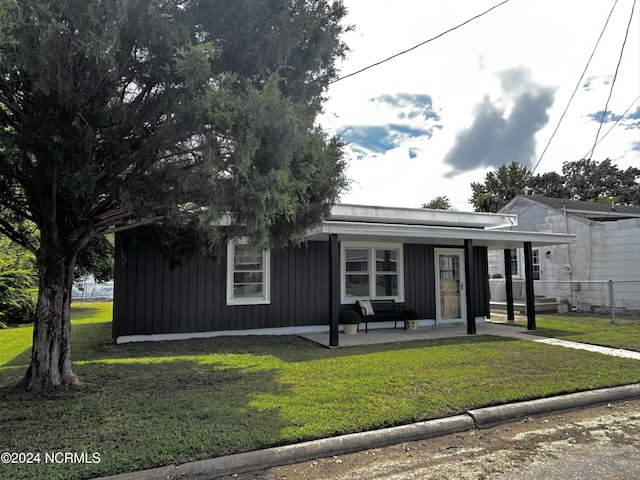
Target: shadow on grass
(91, 342)
(20, 360)
(554, 332)
(143, 415)
(289, 348)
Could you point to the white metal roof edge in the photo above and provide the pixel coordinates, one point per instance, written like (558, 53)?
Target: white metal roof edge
(420, 216)
(509, 238)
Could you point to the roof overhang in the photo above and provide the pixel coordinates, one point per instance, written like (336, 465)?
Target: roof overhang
(420, 216)
(435, 235)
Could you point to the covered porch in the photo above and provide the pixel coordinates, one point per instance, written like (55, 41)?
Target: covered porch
(446, 232)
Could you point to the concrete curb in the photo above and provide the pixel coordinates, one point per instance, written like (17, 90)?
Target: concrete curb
(491, 416)
(355, 442)
(326, 447)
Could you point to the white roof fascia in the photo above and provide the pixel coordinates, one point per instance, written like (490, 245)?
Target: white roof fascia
(598, 213)
(420, 216)
(577, 213)
(498, 239)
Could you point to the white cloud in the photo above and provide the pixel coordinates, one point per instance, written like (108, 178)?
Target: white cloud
(465, 74)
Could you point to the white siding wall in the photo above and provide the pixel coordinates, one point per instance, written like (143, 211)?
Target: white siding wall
(616, 255)
(602, 251)
(616, 250)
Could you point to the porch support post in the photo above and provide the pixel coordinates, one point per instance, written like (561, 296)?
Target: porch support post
(468, 280)
(508, 284)
(528, 283)
(334, 286)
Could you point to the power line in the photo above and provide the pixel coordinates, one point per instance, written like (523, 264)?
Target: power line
(614, 125)
(615, 76)
(577, 86)
(420, 44)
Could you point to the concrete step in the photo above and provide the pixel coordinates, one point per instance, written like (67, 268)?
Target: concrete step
(543, 305)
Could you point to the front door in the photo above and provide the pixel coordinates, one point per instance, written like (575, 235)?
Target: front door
(450, 296)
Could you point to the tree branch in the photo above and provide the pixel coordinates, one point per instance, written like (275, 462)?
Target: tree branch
(21, 238)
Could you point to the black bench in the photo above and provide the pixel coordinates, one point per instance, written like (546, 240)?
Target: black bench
(383, 310)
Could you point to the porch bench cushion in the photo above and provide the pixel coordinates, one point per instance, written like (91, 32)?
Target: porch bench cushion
(381, 311)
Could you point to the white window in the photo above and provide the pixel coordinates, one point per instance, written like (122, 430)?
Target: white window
(517, 259)
(536, 263)
(371, 272)
(515, 271)
(247, 274)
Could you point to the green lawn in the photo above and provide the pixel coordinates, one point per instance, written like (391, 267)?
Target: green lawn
(146, 405)
(625, 333)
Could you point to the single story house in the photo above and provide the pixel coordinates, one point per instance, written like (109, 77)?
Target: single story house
(607, 246)
(431, 261)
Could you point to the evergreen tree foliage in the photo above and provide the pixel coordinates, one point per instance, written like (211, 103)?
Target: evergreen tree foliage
(174, 113)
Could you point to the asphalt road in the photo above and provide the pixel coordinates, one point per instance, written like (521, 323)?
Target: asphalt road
(595, 443)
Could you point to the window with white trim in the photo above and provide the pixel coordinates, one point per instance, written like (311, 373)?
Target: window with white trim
(247, 274)
(387, 267)
(357, 271)
(371, 271)
(517, 259)
(535, 254)
(514, 263)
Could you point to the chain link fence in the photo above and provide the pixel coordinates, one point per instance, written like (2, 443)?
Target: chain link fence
(605, 298)
(87, 289)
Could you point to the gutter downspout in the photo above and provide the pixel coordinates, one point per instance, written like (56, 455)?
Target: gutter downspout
(566, 232)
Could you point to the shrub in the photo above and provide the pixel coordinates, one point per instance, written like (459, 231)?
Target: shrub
(18, 297)
(411, 314)
(349, 317)
(18, 292)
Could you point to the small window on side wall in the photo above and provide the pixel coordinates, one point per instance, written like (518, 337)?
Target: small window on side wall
(536, 264)
(247, 274)
(515, 272)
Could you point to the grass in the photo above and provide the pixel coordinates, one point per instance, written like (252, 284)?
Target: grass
(625, 333)
(147, 405)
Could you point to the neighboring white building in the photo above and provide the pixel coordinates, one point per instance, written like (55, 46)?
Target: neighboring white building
(607, 246)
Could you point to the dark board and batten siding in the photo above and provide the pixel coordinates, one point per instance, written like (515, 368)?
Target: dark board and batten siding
(420, 283)
(480, 281)
(420, 279)
(150, 297)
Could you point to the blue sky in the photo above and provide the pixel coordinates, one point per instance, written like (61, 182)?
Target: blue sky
(434, 120)
(407, 111)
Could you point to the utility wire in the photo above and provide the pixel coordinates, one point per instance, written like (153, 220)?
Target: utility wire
(577, 86)
(606, 107)
(614, 125)
(420, 44)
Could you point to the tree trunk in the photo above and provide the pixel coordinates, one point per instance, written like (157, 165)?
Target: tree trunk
(51, 352)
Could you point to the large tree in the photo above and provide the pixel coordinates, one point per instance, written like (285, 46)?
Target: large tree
(499, 187)
(18, 275)
(549, 184)
(178, 113)
(586, 180)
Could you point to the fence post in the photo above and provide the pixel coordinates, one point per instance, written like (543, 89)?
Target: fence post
(613, 310)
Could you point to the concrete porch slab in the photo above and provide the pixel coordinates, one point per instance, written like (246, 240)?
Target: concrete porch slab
(396, 335)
